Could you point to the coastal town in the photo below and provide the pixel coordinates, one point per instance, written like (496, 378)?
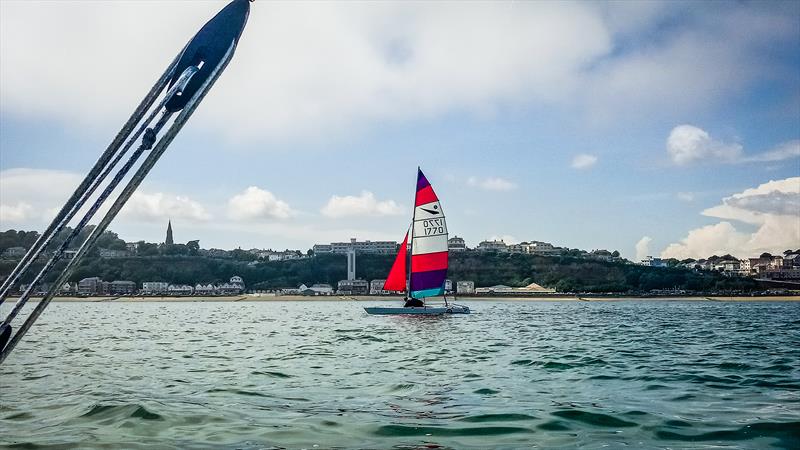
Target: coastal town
(783, 268)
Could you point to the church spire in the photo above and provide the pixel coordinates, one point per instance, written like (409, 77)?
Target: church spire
(169, 240)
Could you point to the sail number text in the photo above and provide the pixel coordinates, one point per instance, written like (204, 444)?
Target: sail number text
(433, 226)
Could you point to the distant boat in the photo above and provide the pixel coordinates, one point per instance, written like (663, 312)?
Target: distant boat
(425, 275)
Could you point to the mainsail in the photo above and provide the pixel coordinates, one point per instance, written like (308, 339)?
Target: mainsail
(428, 243)
(398, 275)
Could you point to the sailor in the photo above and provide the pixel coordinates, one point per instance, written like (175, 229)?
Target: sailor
(413, 302)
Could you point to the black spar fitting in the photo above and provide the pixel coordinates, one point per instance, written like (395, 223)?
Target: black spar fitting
(186, 81)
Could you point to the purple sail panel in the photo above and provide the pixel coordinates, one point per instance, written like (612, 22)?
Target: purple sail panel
(421, 281)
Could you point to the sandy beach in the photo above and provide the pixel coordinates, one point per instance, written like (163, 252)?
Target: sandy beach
(336, 298)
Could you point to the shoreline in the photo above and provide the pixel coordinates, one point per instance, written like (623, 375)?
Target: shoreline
(368, 298)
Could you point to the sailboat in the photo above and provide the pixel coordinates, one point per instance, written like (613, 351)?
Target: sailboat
(423, 275)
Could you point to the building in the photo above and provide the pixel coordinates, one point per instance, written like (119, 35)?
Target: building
(237, 281)
(542, 248)
(351, 265)
(90, 286)
(316, 289)
(15, 252)
(465, 287)
(353, 287)
(456, 244)
(322, 248)
(132, 247)
(654, 262)
(180, 289)
(492, 246)
(205, 289)
(154, 287)
(169, 240)
(69, 289)
(122, 287)
(376, 287)
(109, 253)
(379, 247)
(448, 286)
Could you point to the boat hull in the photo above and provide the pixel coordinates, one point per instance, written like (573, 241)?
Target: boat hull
(415, 311)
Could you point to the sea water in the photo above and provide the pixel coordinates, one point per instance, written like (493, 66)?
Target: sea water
(635, 374)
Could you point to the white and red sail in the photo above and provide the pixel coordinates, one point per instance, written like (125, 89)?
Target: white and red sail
(427, 272)
(428, 243)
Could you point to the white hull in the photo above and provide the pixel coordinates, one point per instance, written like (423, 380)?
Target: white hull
(423, 310)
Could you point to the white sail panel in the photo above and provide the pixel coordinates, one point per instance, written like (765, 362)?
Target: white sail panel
(433, 244)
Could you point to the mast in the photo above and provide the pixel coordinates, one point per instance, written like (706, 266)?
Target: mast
(413, 222)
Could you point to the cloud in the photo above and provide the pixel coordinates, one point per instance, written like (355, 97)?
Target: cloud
(643, 248)
(492, 183)
(160, 206)
(772, 207)
(507, 238)
(783, 151)
(583, 161)
(304, 67)
(364, 205)
(18, 212)
(686, 196)
(27, 195)
(688, 144)
(255, 203)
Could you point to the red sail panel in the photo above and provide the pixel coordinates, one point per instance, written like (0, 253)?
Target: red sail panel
(426, 195)
(396, 281)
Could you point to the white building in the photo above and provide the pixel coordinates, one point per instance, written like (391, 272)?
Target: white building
(376, 287)
(205, 289)
(179, 289)
(654, 262)
(353, 287)
(154, 287)
(465, 287)
(380, 247)
(456, 244)
(492, 246)
(322, 248)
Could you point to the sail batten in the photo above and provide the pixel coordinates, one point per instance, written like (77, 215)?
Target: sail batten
(428, 243)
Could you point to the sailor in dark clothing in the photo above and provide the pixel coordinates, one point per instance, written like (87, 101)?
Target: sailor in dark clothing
(413, 302)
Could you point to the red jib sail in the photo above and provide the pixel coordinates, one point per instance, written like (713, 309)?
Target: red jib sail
(397, 276)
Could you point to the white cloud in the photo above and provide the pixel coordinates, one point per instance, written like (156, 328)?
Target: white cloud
(18, 212)
(492, 183)
(256, 203)
(27, 195)
(773, 208)
(364, 205)
(643, 248)
(686, 196)
(688, 144)
(160, 206)
(305, 66)
(583, 161)
(507, 238)
(783, 151)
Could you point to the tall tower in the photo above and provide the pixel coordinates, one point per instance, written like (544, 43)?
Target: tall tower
(169, 240)
(351, 264)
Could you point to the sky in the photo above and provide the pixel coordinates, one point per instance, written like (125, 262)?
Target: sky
(652, 128)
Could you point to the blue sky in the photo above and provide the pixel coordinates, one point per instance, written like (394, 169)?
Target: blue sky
(673, 126)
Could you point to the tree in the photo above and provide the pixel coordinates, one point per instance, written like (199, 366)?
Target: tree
(147, 248)
(615, 254)
(193, 246)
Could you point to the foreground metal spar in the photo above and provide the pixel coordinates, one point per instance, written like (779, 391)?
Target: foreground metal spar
(190, 77)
